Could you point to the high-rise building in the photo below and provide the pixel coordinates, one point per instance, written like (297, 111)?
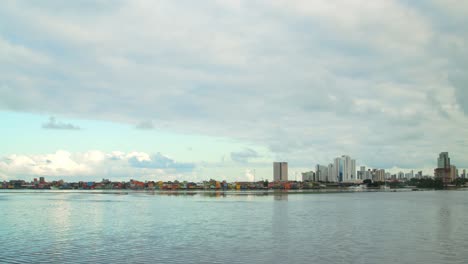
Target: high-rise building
(388, 175)
(409, 175)
(453, 172)
(379, 175)
(444, 170)
(400, 175)
(361, 174)
(443, 161)
(464, 174)
(280, 171)
(322, 173)
(345, 169)
(332, 173)
(308, 176)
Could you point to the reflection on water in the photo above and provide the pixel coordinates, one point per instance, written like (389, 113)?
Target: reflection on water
(280, 230)
(170, 193)
(446, 221)
(280, 196)
(220, 227)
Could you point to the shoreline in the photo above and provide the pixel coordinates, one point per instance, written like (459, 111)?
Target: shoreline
(220, 192)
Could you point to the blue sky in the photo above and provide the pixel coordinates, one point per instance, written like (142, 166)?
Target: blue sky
(221, 89)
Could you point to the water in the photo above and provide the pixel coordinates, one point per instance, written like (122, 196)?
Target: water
(374, 227)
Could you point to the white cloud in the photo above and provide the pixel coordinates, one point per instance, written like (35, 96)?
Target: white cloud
(116, 155)
(140, 156)
(95, 163)
(13, 54)
(453, 7)
(96, 156)
(60, 163)
(249, 175)
(384, 24)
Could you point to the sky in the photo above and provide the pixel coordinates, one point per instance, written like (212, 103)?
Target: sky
(194, 90)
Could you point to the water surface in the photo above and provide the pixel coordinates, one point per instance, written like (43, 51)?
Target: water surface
(139, 227)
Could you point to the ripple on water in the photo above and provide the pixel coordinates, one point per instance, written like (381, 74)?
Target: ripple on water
(368, 228)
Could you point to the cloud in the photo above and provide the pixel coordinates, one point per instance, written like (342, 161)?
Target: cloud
(14, 54)
(61, 163)
(249, 175)
(308, 80)
(145, 125)
(95, 163)
(53, 124)
(159, 161)
(244, 156)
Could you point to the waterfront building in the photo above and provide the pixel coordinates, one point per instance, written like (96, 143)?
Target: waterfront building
(280, 171)
(443, 161)
(363, 174)
(344, 168)
(409, 175)
(444, 169)
(388, 175)
(309, 176)
(400, 175)
(335, 170)
(464, 174)
(321, 173)
(379, 175)
(332, 174)
(453, 172)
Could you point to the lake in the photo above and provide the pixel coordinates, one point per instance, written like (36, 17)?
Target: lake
(145, 227)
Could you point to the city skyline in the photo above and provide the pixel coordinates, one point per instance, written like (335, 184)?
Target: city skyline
(221, 89)
(341, 171)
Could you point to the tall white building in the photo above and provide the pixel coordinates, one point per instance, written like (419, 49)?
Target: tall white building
(280, 171)
(344, 168)
(331, 173)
